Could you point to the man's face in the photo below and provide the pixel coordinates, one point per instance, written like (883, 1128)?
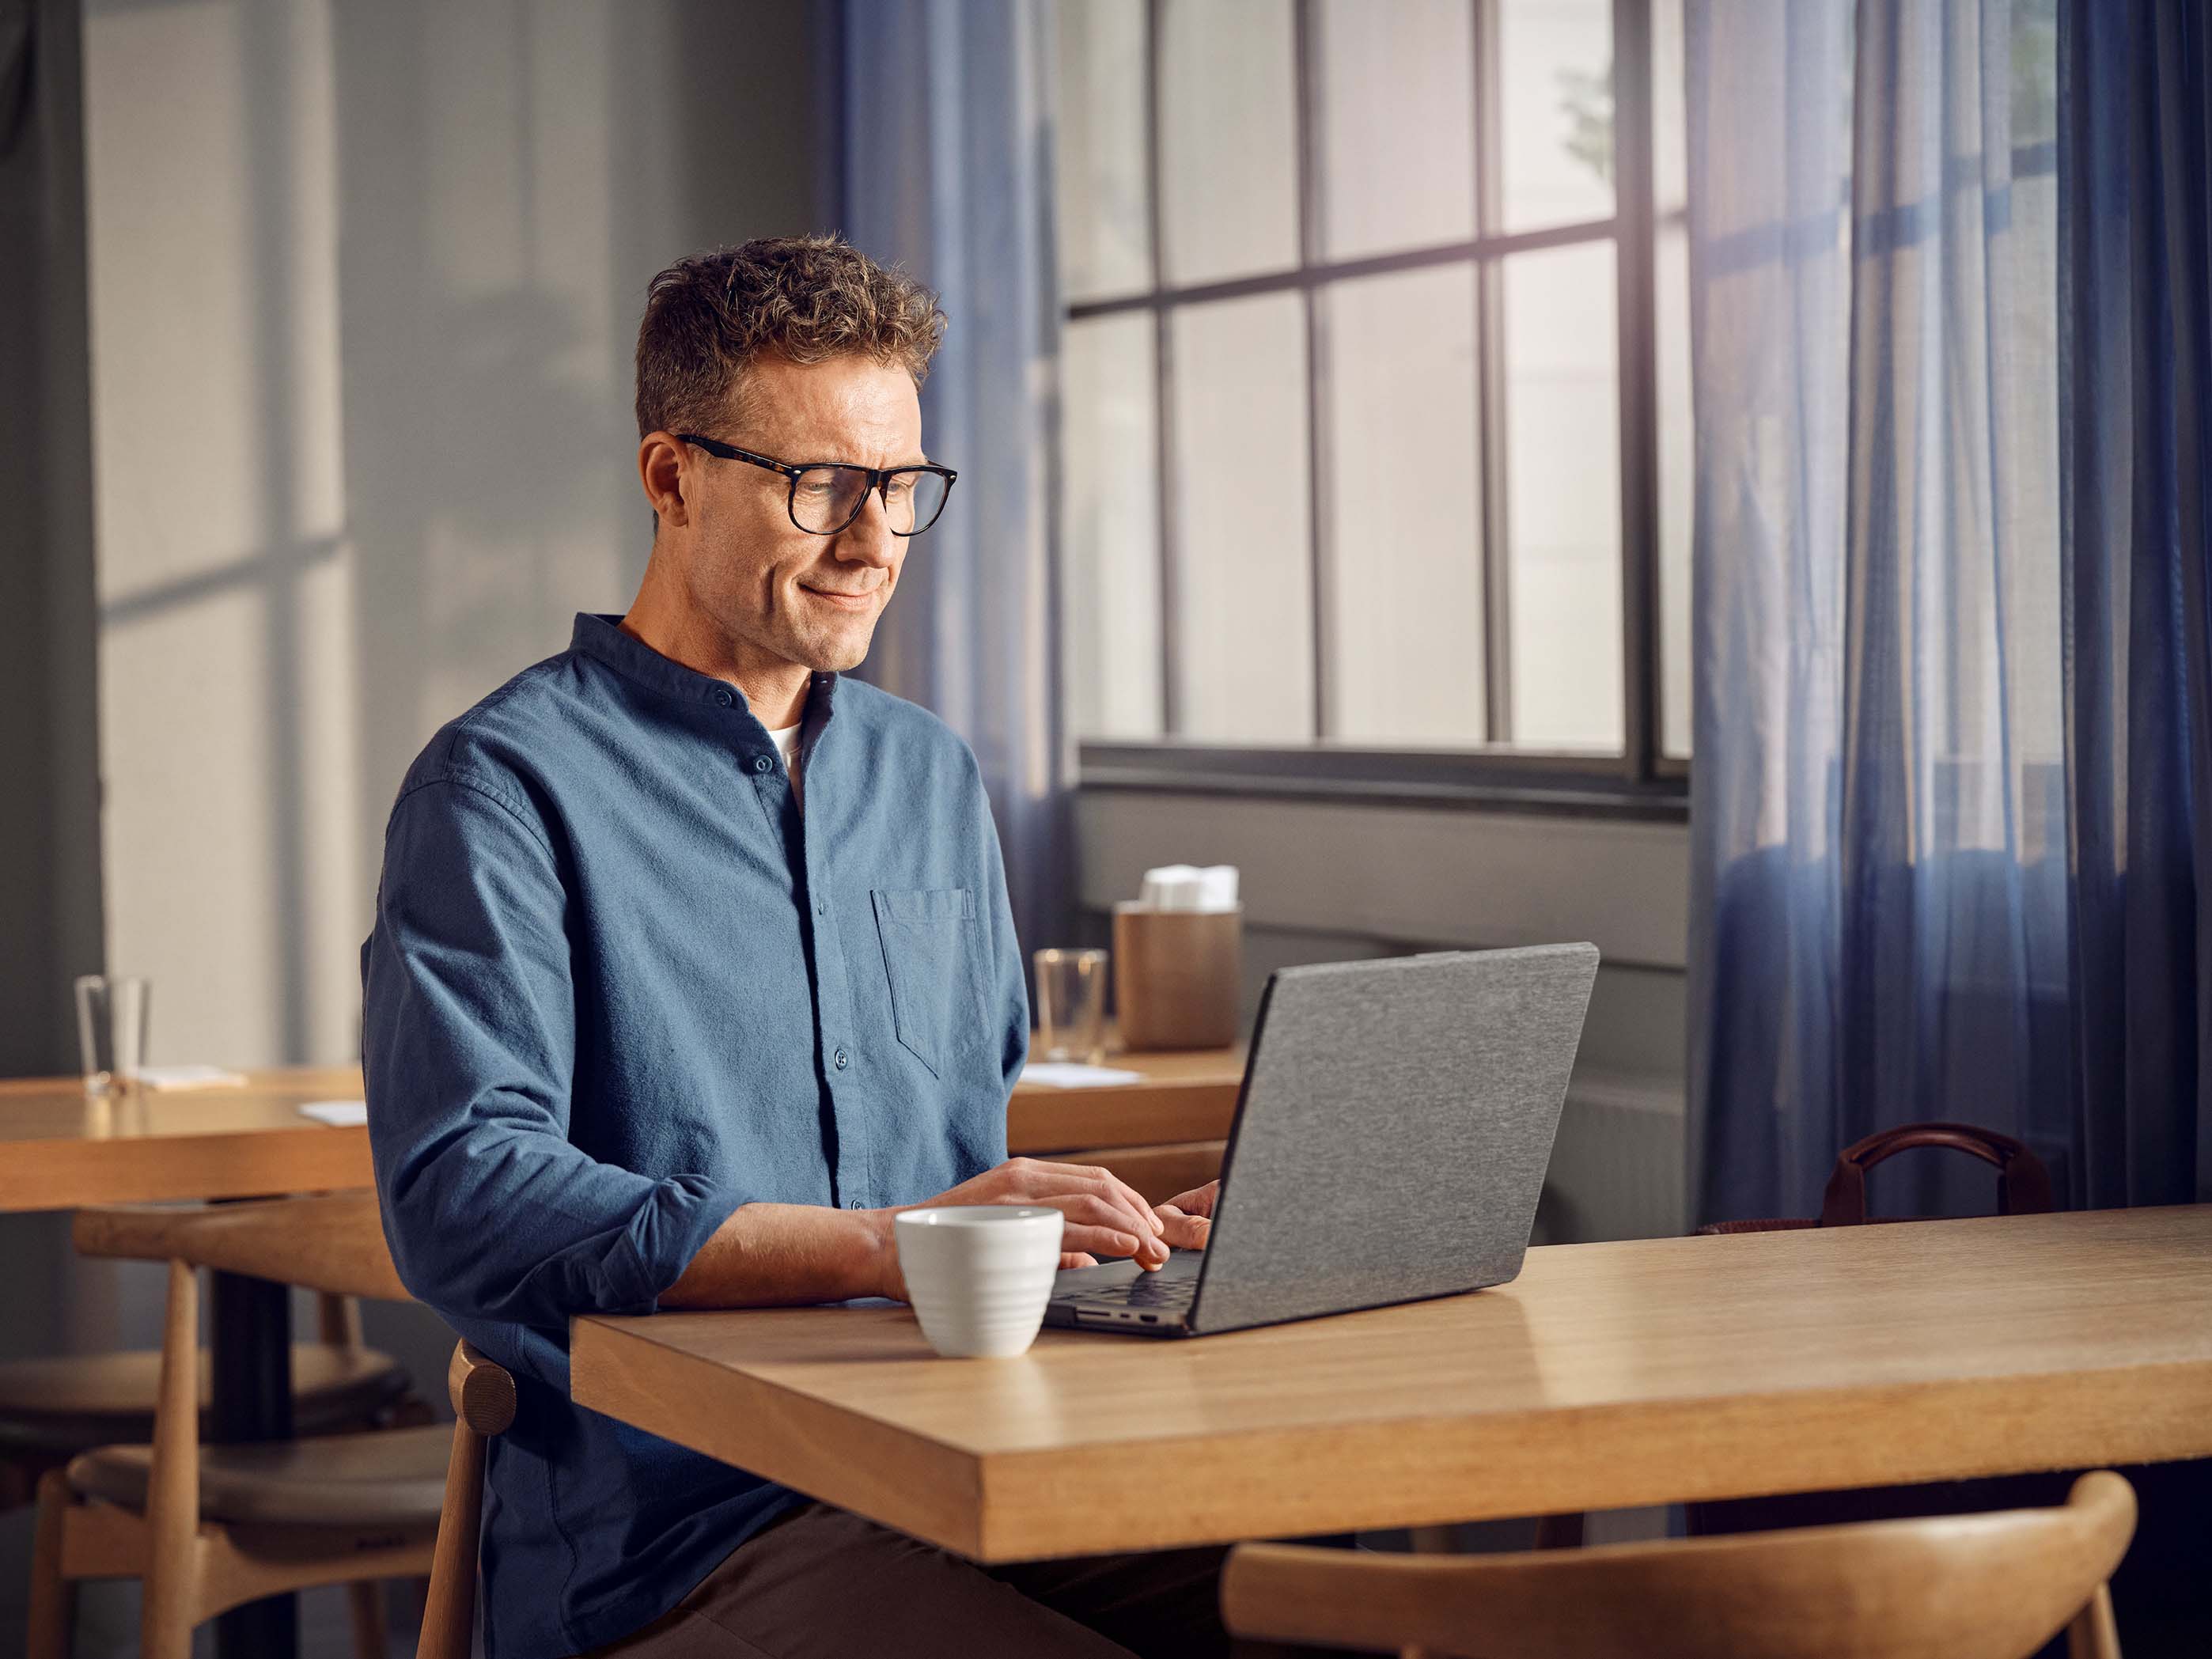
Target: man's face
(807, 599)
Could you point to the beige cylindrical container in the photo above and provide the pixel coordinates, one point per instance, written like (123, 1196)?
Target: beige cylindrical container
(1177, 976)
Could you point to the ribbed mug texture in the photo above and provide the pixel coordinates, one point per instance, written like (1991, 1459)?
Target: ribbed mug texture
(979, 1282)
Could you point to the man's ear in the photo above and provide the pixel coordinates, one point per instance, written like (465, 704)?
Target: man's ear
(660, 468)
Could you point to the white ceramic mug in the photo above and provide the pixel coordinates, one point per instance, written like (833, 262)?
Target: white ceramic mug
(979, 1274)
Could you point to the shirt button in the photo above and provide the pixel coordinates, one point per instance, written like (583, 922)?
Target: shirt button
(762, 763)
(822, 906)
(722, 696)
(854, 1204)
(839, 1059)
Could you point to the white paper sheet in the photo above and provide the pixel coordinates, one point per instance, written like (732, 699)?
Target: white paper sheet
(1070, 1074)
(339, 1114)
(189, 1077)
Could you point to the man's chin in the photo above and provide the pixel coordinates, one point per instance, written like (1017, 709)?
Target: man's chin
(841, 654)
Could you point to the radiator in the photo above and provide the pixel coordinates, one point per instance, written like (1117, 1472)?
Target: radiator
(1617, 1167)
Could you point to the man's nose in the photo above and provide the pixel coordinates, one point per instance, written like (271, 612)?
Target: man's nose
(868, 539)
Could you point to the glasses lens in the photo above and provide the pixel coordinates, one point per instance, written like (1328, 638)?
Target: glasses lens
(824, 498)
(913, 500)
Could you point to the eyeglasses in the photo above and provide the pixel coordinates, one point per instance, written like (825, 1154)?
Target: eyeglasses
(826, 496)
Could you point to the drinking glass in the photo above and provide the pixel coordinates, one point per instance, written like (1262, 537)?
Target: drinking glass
(1071, 988)
(110, 1029)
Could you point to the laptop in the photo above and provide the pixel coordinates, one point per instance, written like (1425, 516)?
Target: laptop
(1390, 1141)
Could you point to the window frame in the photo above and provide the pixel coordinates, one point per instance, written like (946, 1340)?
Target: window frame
(1641, 781)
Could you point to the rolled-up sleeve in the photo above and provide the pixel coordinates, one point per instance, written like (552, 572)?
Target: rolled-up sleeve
(468, 1039)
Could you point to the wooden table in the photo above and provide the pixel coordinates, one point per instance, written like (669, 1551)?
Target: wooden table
(60, 1149)
(1606, 1376)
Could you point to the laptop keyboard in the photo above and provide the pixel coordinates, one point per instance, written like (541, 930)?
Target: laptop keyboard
(1148, 1291)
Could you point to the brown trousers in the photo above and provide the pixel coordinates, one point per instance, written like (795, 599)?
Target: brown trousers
(820, 1582)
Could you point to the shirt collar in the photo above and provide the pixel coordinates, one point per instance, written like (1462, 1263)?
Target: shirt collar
(601, 637)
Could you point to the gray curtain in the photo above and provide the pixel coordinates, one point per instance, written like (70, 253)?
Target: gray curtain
(1879, 818)
(948, 170)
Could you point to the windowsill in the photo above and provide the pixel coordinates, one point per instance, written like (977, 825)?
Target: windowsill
(1496, 781)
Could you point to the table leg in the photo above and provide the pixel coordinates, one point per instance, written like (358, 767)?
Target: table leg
(251, 1336)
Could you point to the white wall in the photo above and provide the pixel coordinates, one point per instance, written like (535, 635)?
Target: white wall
(365, 278)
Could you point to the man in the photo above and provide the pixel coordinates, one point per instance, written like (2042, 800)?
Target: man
(692, 964)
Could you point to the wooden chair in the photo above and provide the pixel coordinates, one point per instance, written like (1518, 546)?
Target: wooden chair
(208, 1528)
(1994, 1586)
(483, 1406)
(52, 1409)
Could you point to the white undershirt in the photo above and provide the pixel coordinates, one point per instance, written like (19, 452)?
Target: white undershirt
(787, 744)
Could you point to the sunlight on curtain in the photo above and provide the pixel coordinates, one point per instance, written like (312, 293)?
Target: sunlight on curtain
(1878, 823)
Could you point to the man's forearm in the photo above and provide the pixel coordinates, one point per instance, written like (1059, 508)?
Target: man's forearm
(770, 1256)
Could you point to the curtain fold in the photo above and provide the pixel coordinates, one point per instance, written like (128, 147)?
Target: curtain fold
(948, 170)
(2135, 296)
(1952, 814)
(1878, 821)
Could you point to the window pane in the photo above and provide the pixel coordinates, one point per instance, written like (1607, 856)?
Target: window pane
(1244, 618)
(1397, 125)
(1563, 496)
(1105, 233)
(1406, 565)
(1228, 139)
(1111, 518)
(1671, 297)
(1555, 112)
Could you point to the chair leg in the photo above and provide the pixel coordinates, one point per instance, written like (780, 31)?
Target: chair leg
(2093, 1634)
(449, 1613)
(53, 1597)
(365, 1607)
(173, 1585)
(19, 1484)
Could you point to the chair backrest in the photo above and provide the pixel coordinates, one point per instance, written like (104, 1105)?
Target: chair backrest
(331, 1241)
(1994, 1586)
(2023, 1182)
(483, 1405)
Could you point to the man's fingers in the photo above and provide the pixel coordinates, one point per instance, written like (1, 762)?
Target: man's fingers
(1078, 1259)
(1094, 1175)
(1099, 1241)
(1199, 1200)
(1180, 1231)
(1108, 1238)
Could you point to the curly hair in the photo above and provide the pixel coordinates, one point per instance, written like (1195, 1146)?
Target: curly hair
(806, 298)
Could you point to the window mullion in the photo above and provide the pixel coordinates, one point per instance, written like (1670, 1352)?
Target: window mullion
(1639, 371)
(1489, 387)
(1319, 480)
(1163, 392)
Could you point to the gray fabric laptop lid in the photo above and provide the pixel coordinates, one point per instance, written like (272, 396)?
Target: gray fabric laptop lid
(1394, 1132)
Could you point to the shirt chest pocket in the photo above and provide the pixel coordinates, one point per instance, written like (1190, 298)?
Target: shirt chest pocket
(932, 957)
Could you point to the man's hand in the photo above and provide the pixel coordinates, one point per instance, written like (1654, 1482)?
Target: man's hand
(1187, 1219)
(1106, 1216)
(768, 1256)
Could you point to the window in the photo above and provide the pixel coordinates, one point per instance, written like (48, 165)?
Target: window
(1375, 392)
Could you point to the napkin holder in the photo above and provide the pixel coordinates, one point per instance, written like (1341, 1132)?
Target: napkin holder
(1178, 975)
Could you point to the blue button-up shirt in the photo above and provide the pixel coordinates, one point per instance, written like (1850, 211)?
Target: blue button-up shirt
(618, 986)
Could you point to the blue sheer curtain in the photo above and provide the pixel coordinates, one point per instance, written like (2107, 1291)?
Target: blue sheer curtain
(2135, 297)
(947, 170)
(1878, 819)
